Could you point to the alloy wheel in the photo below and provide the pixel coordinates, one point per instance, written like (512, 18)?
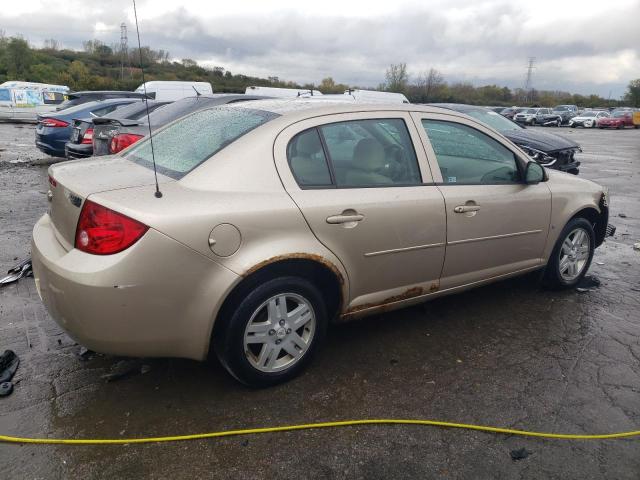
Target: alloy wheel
(574, 254)
(279, 332)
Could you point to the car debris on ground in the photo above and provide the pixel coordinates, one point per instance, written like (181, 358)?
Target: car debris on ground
(9, 363)
(15, 273)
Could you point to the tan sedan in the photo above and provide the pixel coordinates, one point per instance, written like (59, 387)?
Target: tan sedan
(279, 216)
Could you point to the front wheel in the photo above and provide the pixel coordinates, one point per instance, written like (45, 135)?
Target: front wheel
(270, 335)
(571, 255)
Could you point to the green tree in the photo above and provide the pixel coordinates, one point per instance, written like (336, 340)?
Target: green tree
(633, 93)
(17, 58)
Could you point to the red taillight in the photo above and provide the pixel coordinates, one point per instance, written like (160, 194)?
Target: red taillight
(101, 231)
(52, 181)
(87, 138)
(122, 140)
(53, 122)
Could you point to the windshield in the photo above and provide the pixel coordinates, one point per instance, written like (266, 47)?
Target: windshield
(589, 114)
(531, 110)
(619, 114)
(188, 142)
(561, 108)
(493, 119)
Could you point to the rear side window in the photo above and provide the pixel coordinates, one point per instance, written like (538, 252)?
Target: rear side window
(307, 160)
(52, 98)
(358, 153)
(467, 156)
(5, 95)
(188, 142)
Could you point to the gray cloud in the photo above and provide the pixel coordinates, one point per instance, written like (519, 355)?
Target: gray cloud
(486, 43)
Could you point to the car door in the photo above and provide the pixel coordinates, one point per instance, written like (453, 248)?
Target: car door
(496, 224)
(367, 194)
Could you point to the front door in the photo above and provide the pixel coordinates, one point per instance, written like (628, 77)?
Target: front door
(496, 224)
(368, 196)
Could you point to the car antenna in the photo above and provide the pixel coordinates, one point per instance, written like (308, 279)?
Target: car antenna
(158, 193)
(197, 92)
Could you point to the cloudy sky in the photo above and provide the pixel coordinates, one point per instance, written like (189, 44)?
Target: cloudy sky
(580, 46)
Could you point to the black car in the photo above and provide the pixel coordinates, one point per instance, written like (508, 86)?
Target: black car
(80, 144)
(78, 98)
(511, 112)
(113, 135)
(546, 117)
(548, 149)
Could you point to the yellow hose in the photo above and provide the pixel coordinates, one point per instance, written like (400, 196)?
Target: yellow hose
(308, 426)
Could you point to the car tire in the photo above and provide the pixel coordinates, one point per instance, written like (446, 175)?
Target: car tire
(254, 347)
(571, 255)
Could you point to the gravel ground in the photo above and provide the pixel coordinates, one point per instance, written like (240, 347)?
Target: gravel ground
(509, 354)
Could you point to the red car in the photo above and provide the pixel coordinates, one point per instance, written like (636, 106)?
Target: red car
(619, 119)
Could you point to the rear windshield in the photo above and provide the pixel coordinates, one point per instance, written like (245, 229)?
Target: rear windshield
(180, 109)
(188, 142)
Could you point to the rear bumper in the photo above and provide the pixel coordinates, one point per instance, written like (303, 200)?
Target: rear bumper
(78, 150)
(54, 148)
(158, 298)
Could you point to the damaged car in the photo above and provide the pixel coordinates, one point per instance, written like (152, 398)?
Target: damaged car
(548, 149)
(270, 219)
(588, 119)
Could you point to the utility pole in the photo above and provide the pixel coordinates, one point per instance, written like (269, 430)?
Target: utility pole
(528, 85)
(124, 49)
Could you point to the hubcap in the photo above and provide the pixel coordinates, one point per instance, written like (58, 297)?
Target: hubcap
(279, 332)
(574, 254)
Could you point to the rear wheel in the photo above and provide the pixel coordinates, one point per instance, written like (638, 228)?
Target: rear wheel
(272, 332)
(571, 255)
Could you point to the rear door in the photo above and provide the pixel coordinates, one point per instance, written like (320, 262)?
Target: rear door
(496, 224)
(367, 194)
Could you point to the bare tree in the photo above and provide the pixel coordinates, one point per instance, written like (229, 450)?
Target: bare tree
(429, 83)
(396, 77)
(51, 44)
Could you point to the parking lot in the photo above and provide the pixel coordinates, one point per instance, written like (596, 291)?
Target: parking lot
(508, 355)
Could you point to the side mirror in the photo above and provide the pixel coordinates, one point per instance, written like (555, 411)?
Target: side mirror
(534, 173)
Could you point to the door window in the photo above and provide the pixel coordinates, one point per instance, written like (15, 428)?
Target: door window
(371, 152)
(307, 160)
(468, 156)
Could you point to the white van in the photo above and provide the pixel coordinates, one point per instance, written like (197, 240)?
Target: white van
(169, 91)
(374, 96)
(24, 101)
(276, 92)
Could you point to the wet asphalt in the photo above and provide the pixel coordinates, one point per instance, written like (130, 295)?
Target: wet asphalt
(509, 354)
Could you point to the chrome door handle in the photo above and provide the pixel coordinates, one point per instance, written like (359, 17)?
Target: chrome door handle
(336, 219)
(466, 208)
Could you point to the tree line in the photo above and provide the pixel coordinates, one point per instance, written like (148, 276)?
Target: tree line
(430, 87)
(104, 67)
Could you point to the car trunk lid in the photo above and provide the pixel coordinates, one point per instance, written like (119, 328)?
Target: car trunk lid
(70, 184)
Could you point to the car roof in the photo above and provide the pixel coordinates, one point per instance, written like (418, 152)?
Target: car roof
(302, 107)
(123, 93)
(461, 107)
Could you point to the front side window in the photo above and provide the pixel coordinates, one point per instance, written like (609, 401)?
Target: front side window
(371, 152)
(186, 143)
(468, 156)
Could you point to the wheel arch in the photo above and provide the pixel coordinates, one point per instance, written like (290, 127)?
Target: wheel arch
(598, 219)
(319, 271)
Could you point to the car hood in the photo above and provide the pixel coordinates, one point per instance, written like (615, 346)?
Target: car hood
(547, 142)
